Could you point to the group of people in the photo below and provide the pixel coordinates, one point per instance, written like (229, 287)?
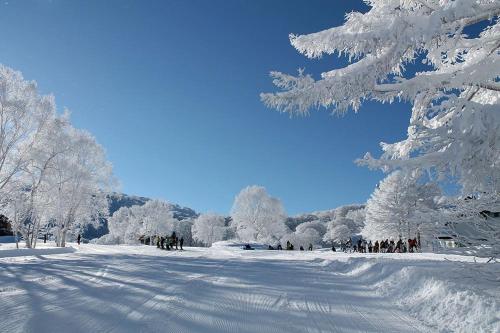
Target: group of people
(289, 247)
(170, 243)
(384, 246)
(361, 246)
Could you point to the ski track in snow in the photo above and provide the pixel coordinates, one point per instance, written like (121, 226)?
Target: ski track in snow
(148, 290)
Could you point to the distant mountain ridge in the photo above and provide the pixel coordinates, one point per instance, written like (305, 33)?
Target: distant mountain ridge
(119, 200)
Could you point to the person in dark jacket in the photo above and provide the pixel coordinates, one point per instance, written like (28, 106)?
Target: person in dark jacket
(45, 238)
(173, 239)
(181, 242)
(78, 239)
(310, 247)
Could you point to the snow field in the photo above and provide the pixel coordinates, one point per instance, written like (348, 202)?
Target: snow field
(225, 289)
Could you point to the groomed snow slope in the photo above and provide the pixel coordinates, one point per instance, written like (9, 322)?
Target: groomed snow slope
(225, 289)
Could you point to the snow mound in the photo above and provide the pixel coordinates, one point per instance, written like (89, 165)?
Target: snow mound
(447, 296)
(237, 245)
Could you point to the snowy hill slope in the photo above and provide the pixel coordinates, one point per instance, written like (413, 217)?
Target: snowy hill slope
(119, 200)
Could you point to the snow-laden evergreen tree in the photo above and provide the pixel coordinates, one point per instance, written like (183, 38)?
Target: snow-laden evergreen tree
(394, 203)
(209, 228)
(454, 130)
(258, 216)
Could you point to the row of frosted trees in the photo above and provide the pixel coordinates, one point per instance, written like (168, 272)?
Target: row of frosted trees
(52, 175)
(255, 217)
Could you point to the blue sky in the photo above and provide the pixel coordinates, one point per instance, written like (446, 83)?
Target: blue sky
(171, 89)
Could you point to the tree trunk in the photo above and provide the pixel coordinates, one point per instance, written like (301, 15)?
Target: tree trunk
(27, 240)
(16, 237)
(35, 234)
(63, 239)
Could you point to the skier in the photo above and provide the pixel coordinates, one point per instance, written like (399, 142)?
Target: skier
(78, 239)
(392, 246)
(181, 243)
(162, 243)
(349, 245)
(399, 246)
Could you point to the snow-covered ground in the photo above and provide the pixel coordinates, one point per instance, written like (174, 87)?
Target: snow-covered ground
(99, 288)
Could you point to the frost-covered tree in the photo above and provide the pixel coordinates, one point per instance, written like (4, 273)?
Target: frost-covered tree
(127, 225)
(32, 181)
(258, 216)
(308, 233)
(77, 182)
(339, 233)
(118, 225)
(23, 116)
(358, 216)
(473, 221)
(394, 203)
(157, 218)
(50, 173)
(454, 131)
(346, 225)
(344, 222)
(209, 228)
(183, 228)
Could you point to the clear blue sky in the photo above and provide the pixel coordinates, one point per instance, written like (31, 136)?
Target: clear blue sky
(171, 89)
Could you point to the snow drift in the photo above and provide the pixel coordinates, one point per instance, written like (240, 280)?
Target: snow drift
(451, 296)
